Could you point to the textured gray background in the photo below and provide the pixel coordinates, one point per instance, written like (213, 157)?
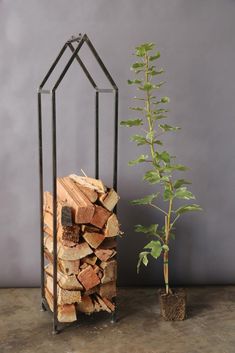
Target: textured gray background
(197, 43)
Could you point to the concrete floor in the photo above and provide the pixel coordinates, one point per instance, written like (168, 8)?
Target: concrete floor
(210, 326)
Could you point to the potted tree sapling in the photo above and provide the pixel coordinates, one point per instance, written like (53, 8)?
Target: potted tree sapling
(162, 172)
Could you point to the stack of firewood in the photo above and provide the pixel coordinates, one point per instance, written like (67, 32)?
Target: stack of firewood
(86, 246)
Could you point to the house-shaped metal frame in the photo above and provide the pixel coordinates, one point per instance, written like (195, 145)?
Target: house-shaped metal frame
(74, 45)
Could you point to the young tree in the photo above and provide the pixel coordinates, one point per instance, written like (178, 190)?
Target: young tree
(162, 166)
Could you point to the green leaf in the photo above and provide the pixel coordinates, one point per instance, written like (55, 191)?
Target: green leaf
(142, 158)
(159, 117)
(154, 72)
(162, 100)
(146, 46)
(156, 248)
(133, 82)
(165, 247)
(151, 229)
(178, 167)
(141, 140)
(155, 57)
(168, 194)
(184, 193)
(137, 65)
(138, 109)
(165, 100)
(164, 156)
(188, 208)
(145, 200)
(152, 177)
(131, 122)
(147, 87)
(166, 127)
(138, 99)
(142, 259)
(180, 182)
(158, 142)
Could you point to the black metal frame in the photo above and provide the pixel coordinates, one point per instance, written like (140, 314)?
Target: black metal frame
(71, 44)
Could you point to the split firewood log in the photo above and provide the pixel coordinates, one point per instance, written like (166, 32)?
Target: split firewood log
(91, 183)
(67, 253)
(67, 267)
(64, 296)
(86, 305)
(105, 254)
(88, 278)
(66, 313)
(72, 196)
(90, 260)
(65, 282)
(100, 217)
(102, 305)
(109, 271)
(112, 226)
(107, 290)
(109, 199)
(109, 243)
(93, 239)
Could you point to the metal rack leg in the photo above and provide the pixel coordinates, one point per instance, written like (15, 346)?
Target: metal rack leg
(114, 314)
(43, 308)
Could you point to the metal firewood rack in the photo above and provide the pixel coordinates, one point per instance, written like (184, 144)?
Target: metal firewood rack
(73, 45)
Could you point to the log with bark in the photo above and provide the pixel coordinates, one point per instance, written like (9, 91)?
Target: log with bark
(86, 231)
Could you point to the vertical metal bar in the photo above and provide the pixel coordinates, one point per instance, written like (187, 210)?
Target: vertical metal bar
(54, 191)
(115, 157)
(115, 168)
(97, 135)
(41, 197)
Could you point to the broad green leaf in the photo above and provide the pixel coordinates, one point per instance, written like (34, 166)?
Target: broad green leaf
(137, 65)
(184, 193)
(158, 142)
(172, 167)
(146, 46)
(145, 200)
(142, 259)
(133, 82)
(147, 86)
(188, 208)
(165, 100)
(162, 100)
(138, 109)
(155, 57)
(156, 248)
(166, 127)
(168, 194)
(164, 156)
(151, 229)
(180, 182)
(140, 52)
(140, 140)
(138, 99)
(159, 117)
(131, 122)
(142, 158)
(154, 72)
(152, 177)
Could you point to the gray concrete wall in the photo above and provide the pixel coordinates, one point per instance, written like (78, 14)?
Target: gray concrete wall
(197, 43)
